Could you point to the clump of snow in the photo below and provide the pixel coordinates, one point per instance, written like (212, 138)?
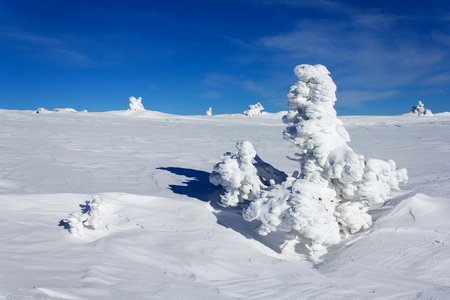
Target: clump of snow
(254, 110)
(136, 104)
(42, 110)
(330, 196)
(420, 110)
(209, 112)
(90, 218)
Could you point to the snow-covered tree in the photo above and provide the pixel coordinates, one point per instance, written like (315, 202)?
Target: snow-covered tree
(90, 218)
(330, 195)
(420, 110)
(243, 174)
(135, 104)
(254, 110)
(209, 112)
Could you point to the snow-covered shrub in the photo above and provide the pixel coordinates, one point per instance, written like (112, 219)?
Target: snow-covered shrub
(243, 174)
(254, 110)
(90, 218)
(329, 197)
(209, 112)
(135, 104)
(420, 110)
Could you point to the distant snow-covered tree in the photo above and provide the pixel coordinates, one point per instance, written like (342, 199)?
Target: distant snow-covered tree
(42, 110)
(254, 110)
(136, 104)
(420, 110)
(209, 112)
(330, 195)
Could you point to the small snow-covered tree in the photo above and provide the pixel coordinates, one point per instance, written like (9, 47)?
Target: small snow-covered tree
(209, 112)
(254, 110)
(243, 174)
(420, 110)
(330, 196)
(90, 218)
(136, 104)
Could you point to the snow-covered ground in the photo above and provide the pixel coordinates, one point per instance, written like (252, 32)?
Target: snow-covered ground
(164, 236)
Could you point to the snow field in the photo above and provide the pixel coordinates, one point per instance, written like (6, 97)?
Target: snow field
(166, 237)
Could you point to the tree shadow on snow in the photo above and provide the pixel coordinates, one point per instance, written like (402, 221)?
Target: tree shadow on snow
(198, 186)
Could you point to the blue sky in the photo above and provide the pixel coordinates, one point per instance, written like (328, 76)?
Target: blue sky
(183, 56)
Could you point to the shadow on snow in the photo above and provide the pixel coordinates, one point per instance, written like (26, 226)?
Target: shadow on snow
(198, 186)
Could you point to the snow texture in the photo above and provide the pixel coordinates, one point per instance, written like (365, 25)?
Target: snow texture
(136, 104)
(420, 110)
(254, 110)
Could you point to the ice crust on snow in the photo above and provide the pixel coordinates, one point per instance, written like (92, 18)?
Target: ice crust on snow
(420, 110)
(254, 110)
(136, 104)
(329, 197)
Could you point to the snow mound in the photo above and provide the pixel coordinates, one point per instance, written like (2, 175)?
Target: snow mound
(64, 110)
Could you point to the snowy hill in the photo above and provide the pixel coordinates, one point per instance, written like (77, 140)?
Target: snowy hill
(163, 234)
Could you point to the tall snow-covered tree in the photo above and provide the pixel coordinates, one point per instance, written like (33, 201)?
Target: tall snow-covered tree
(330, 195)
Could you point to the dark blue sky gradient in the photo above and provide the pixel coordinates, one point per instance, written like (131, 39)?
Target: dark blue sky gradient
(183, 56)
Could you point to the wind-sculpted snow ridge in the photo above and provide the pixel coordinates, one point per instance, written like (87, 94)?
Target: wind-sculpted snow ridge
(329, 197)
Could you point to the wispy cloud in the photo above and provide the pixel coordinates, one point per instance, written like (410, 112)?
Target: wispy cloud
(210, 95)
(45, 49)
(367, 50)
(226, 81)
(354, 98)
